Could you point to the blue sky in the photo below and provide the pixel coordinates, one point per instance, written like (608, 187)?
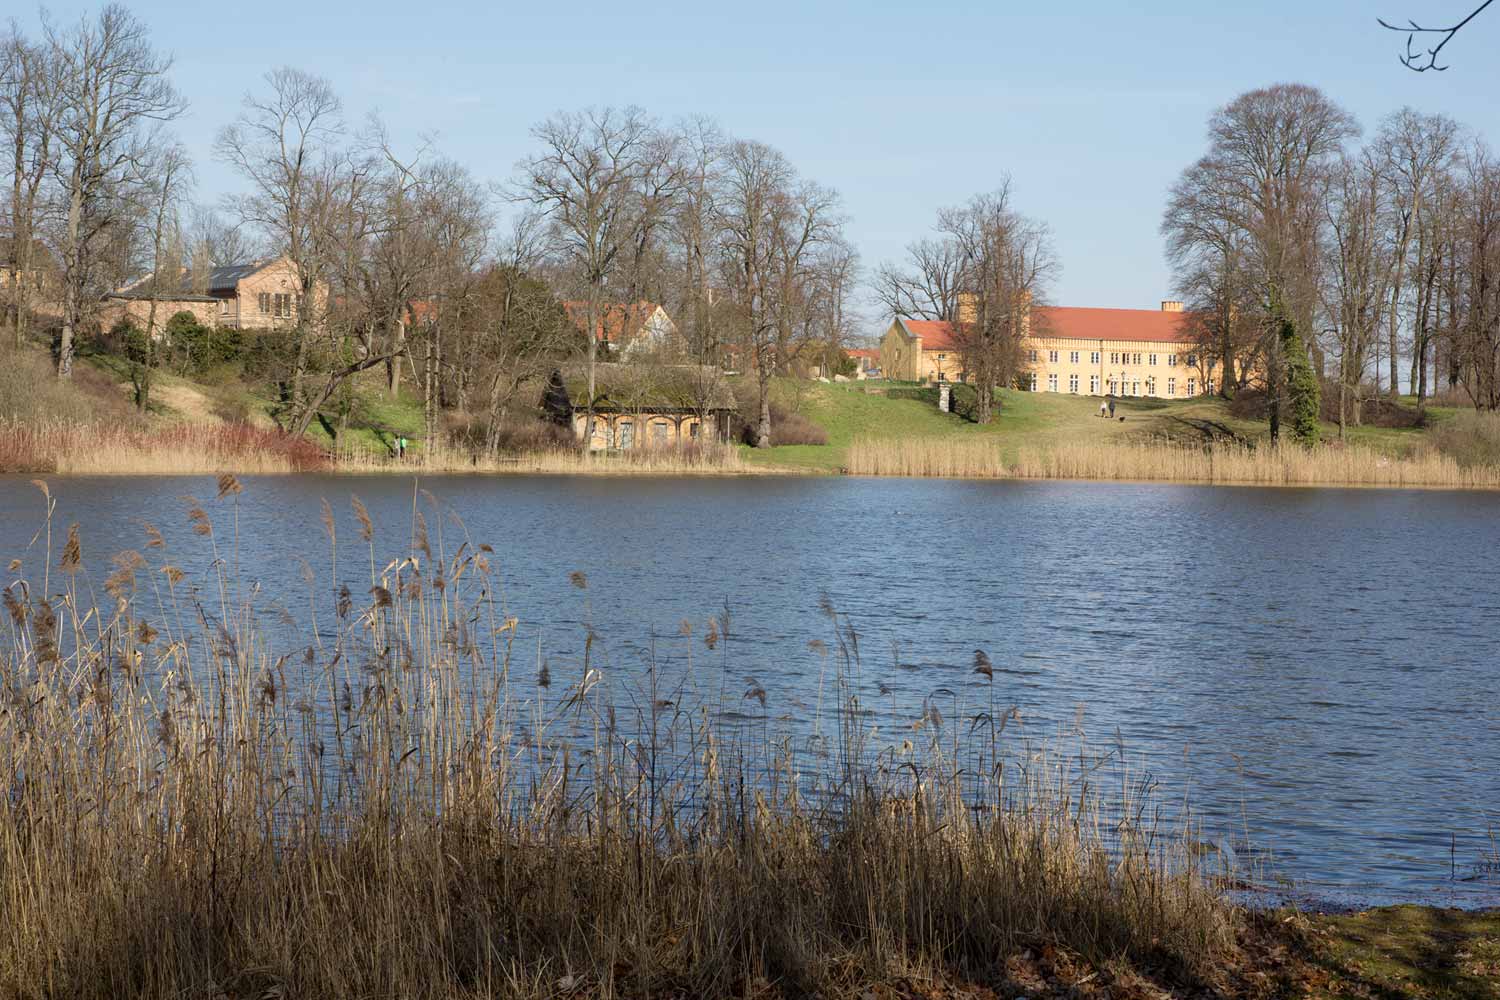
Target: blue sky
(1092, 107)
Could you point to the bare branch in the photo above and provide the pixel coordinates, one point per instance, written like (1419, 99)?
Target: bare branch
(1424, 60)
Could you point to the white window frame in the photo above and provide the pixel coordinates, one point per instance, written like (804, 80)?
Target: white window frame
(1073, 384)
(1093, 385)
(1052, 383)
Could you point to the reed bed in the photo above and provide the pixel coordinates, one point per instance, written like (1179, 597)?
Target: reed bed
(1289, 465)
(395, 806)
(121, 448)
(945, 457)
(706, 458)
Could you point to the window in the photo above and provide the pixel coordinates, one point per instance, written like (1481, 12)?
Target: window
(627, 434)
(223, 307)
(1033, 381)
(1114, 357)
(1208, 386)
(1190, 386)
(1137, 359)
(1171, 387)
(1111, 387)
(659, 432)
(1073, 384)
(263, 302)
(942, 357)
(1052, 357)
(1192, 359)
(693, 430)
(1093, 357)
(1031, 356)
(1135, 388)
(1051, 383)
(1150, 359)
(1093, 385)
(1073, 357)
(1171, 361)
(1150, 386)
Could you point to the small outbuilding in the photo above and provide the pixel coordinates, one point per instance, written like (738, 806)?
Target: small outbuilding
(642, 406)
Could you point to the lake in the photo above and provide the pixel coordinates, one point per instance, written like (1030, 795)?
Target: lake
(1315, 670)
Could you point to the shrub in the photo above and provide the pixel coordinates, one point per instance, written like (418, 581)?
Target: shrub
(513, 435)
(197, 349)
(1471, 439)
(787, 427)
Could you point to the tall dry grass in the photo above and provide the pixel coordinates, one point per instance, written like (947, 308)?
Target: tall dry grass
(1289, 465)
(696, 458)
(83, 448)
(398, 804)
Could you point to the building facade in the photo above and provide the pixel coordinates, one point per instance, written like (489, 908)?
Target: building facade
(1081, 351)
(639, 406)
(259, 295)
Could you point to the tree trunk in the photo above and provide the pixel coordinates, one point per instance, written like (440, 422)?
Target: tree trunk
(763, 429)
(74, 276)
(397, 349)
(429, 387)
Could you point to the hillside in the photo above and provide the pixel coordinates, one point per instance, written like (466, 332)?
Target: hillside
(1039, 421)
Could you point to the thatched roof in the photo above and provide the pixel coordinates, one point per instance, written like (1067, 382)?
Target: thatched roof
(631, 387)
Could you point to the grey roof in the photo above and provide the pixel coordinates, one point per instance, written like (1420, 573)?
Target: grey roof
(224, 279)
(221, 280)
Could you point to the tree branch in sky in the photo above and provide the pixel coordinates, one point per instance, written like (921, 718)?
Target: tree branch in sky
(1419, 60)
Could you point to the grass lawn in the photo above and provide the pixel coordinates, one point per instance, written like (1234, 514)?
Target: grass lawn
(1024, 420)
(1407, 951)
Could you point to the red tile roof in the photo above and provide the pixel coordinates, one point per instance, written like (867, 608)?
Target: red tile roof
(619, 322)
(936, 334)
(1075, 323)
(1148, 325)
(863, 352)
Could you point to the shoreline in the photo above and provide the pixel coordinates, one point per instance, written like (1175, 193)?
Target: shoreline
(748, 471)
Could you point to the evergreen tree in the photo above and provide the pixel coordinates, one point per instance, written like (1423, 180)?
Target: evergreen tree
(1303, 394)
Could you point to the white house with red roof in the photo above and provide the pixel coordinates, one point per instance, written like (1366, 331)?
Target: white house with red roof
(626, 329)
(1082, 351)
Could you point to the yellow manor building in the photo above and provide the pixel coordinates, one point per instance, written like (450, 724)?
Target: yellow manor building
(1092, 352)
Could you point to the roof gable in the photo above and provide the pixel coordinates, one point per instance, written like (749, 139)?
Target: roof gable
(619, 323)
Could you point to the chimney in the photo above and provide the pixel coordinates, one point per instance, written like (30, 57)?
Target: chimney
(968, 308)
(1171, 306)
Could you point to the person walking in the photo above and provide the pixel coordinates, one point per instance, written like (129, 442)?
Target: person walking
(1111, 407)
(1103, 408)
(401, 448)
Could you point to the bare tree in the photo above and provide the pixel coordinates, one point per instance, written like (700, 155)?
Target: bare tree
(1268, 165)
(928, 287)
(588, 181)
(28, 112)
(1410, 149)
(1007, 262)
(166, 177)
(278, 144)
(1210, 256)
(111, 84)
(1476, 295)
(1359, 275)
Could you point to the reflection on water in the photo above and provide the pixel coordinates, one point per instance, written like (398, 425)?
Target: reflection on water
(1314, 670)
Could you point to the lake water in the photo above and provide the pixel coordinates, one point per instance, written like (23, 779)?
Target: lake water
(1316, 669)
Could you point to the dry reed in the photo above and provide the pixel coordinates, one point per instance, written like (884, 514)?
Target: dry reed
(1328, 465)
(707, 458)
(394, 807)
(103, 449)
